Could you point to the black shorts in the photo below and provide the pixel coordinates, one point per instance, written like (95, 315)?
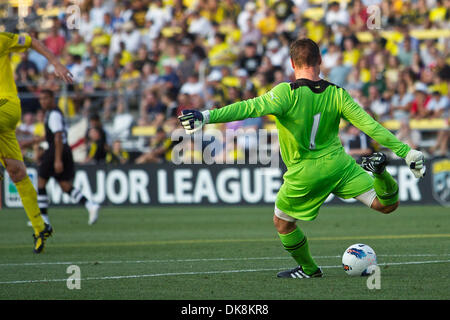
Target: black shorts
(46, 168)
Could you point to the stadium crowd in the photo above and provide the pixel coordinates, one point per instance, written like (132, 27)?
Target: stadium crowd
(139, 63)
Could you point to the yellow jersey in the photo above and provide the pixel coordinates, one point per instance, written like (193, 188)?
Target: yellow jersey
(10, 42)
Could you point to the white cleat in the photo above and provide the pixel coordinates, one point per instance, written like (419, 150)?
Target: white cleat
(93, 209)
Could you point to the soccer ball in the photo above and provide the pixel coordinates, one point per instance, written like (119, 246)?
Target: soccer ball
(358, 259)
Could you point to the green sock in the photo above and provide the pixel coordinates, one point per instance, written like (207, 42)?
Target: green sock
(297, 245)
(386, 188)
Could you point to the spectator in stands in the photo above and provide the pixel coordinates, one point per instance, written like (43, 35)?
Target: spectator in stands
(401, 102)
(336, 16)
(351, 53)
(160, 144)
(97, 147)
(97, 13)
(331, 58)
(339, 73)
(277, 53)
(86, 27)
(129, 78)
(246, 18)
(55, 42)
(250, 60)
(358, 15)
(117, 155)
(357, 143)
(26, 88)
(27, 66)
(192, 86)
(76, 68)
(152, 110)
(405, 134)
(96, 122)
(250, 33)
(438, 105)
(379, 105)
(158, 14)
(199, 25)
(419, 106)
(406, 53)
(122, 121)
(221, 53)
(142, 58)
(149, 75)
(77, 45)
(169, 79)
(131, 37)
(440, 148)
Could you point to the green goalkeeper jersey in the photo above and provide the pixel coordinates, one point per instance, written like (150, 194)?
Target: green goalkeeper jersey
(308, 114)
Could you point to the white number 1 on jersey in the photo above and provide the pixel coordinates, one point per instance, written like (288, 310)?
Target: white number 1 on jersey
(315, 126)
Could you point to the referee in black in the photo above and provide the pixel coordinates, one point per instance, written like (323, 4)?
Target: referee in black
(57, 160)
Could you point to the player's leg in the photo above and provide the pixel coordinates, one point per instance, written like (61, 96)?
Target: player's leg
(42, 197)
(296, 243)
(65, 180)
(11, 158)
(384, 185)
(45, 172)
(305, 189)
(75, 194)
(79, 198)
(379, 192)
(17, 172)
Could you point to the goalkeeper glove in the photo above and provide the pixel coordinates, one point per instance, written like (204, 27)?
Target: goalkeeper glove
(416, 163)
(193, 120)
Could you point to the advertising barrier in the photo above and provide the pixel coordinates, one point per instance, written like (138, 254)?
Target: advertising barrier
(169, 184)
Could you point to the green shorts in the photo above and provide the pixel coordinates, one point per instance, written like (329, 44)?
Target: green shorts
(309, 183)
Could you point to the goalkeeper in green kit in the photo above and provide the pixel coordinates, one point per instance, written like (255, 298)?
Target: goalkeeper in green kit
(308, 112)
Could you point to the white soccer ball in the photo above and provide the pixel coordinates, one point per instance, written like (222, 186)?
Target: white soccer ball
(358, 258)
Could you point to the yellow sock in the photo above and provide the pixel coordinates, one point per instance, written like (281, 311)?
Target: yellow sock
(29, 200)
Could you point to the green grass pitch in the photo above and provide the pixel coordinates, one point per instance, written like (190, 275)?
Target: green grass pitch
(222, 253)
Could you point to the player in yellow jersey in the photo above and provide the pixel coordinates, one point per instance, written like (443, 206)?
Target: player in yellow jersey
(10, 114)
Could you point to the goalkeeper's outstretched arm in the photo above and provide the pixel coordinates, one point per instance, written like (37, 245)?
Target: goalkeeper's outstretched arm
(352, 112)
(275, 102)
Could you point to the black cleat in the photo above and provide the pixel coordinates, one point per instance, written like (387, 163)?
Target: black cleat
(299, 273)
(376, 163)
(39, 240)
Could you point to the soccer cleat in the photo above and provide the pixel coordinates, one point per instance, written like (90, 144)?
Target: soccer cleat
(39, 240)
(299, 273)
(376, 163)
(93, 209)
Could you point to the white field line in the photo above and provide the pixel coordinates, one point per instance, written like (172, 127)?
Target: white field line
(137, 276)
(196, 260)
